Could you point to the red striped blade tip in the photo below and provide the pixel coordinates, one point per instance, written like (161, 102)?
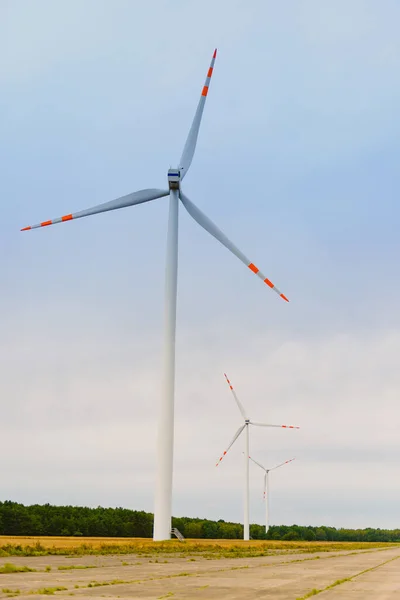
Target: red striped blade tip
(26, 228)
(215, 53)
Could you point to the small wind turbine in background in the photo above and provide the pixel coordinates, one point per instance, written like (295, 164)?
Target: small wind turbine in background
(163, 496)
(266, 487)
(245, 427)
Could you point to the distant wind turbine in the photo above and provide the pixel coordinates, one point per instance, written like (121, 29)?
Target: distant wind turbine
(163, 496)
(245, 427)
(266, 487)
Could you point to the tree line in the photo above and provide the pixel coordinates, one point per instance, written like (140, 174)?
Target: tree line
(18, 519)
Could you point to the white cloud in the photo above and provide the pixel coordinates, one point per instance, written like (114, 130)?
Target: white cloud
(99, 425)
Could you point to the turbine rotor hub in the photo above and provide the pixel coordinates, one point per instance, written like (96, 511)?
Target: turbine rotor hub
(174, 179)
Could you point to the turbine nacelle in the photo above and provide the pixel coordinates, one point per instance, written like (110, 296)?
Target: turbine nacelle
(174, 179)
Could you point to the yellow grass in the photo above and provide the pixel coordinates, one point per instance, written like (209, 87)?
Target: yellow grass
(97, 542)
(69, 542)
(106, 545)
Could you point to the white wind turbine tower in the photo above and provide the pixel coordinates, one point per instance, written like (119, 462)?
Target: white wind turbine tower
(266, 487)
(163, 496)
(245, 427)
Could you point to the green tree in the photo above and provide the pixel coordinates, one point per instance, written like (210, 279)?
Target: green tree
(320, 534)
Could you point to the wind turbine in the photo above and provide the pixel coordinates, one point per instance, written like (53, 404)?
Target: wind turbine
(245, 427)
(266, 487)
(163, 495)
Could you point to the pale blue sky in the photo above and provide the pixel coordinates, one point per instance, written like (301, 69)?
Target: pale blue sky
(297, 162)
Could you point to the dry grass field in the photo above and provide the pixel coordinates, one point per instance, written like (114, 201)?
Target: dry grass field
(73, 546)
(40, 545)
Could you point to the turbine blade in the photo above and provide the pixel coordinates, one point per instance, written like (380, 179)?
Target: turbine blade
(281, 465)
(129, 200)
(190, 145)
(240, 405)
(209, 226)
(257, 463)
(269, 425)
(235, 437)
(265, 485)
